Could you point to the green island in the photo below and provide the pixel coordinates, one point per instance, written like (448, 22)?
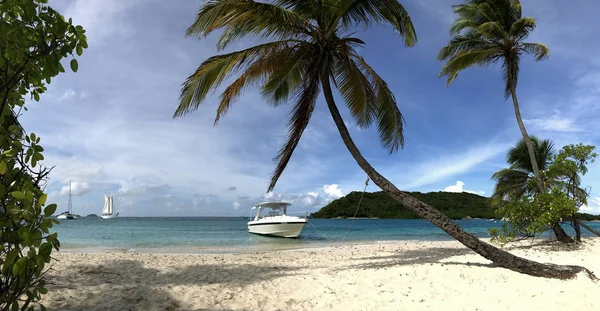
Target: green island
(380, 205)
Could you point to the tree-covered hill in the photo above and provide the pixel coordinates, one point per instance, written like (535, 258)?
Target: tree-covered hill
(380, 205)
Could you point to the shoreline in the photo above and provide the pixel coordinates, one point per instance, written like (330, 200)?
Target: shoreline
(273, 248)
(410, 275)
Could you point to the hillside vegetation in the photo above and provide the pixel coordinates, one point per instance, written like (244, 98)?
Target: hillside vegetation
(380, 205)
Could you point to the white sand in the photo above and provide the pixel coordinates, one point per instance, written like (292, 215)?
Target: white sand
(385, 276)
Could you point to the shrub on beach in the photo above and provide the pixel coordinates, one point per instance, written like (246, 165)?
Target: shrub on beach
(530, 213)
(34, 38)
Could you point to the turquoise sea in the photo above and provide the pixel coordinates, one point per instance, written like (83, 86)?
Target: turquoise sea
(229, 234)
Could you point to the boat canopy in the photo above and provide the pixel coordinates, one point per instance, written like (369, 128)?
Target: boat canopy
(273, 205)
(281, 207)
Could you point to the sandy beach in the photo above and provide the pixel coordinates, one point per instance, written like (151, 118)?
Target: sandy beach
(401, 275)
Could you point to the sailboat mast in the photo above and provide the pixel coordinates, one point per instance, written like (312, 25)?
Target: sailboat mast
(70, 207)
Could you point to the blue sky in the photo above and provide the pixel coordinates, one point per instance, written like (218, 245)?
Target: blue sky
(108, 127)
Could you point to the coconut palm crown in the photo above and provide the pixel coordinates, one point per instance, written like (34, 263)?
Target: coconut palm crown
(486, 32)
(308, 43)
(516, 180)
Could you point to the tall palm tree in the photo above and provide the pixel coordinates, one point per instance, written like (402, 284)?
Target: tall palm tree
(487, 32)
(310, 47)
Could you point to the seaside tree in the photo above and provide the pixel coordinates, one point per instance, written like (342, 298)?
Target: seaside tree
(308, 47)
(487, 32)
(528, 211)
(34, 38)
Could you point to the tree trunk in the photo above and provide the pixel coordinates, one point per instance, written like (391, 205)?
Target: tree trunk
(588, 227)
(497, 256)
(559, 232)
(576, 227)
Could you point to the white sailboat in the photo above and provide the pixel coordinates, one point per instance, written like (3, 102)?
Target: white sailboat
(68, 214)
(108, 211)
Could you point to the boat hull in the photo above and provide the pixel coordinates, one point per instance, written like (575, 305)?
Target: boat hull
(113, 216)
(278, 229)
(65, 217)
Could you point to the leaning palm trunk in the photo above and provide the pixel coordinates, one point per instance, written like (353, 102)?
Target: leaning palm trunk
(497, 256)
(559, 232)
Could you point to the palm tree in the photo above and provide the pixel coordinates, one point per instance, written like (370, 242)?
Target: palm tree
(309, 47)
(489, 31)
(486, 32)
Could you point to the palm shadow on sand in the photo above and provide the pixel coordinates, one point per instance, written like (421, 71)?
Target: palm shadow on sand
(141, 288)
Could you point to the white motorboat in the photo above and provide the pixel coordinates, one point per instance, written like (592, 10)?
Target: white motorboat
(108, 212)
(69, 213)
(275, 221)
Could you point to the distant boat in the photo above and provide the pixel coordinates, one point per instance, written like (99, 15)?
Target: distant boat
(68, 214)
(276, 222)
(108, 211)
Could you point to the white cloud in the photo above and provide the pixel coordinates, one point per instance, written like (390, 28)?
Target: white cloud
(459, 187)
(100, 19)
(555, 124)
(77, 188)
(436, 169)
(333, 191)
(68, 94)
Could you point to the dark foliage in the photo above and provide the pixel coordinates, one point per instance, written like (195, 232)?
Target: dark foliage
(381, 205)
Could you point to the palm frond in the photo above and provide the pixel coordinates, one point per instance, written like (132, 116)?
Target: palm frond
(240, 18)
(356, 90)
(255, 72)
(462, 24)
(522, 27)
(300, 116)
(304, 8)
(493, 31)
(465, 42)
(540, 50)
(365, 12)
(518, 156)
(390, 122)
(211, 73)
(287, 75)
(510, 183)
(465, 59)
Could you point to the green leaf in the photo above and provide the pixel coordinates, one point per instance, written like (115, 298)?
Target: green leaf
(18, 195)
(20, 266)
(45, 250)
(79, 49)
(2, 167)
(42, 307)
(43, 290)
(74, 65)
(50, 209)
(42, 199)
(36, 96)
(15, 306)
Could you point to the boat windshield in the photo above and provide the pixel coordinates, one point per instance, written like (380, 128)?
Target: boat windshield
(274, 212)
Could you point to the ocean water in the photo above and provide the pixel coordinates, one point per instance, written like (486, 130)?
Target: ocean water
(229, 234)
